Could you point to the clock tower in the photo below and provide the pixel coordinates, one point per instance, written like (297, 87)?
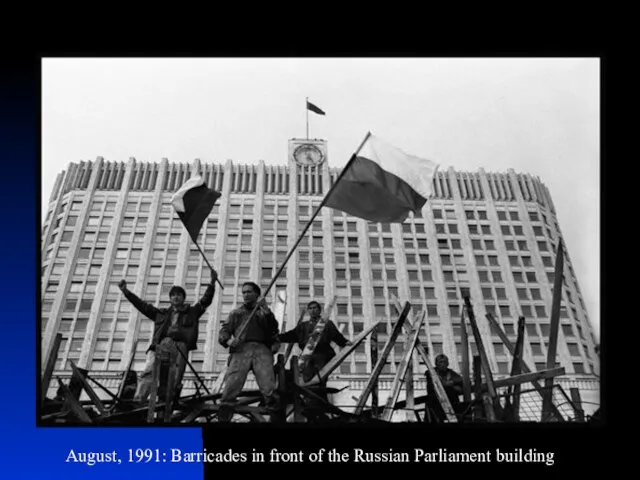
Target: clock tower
(307, 152)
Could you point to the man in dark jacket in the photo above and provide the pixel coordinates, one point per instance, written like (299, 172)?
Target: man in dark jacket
(252, 349)
(451, 382)
(323, 352)
(175, 331)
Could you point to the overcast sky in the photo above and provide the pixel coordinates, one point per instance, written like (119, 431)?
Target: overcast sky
(537, 116)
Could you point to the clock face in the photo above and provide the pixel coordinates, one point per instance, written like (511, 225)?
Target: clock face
(308, 154)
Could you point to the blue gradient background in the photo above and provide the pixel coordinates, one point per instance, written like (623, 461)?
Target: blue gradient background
(27, 451)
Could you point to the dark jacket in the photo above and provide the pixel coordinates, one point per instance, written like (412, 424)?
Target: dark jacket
(186, 328)
(302, 332)
(453, 392)
(263, 328)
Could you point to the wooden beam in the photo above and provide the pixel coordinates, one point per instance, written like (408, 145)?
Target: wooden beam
(466, 380)
(408, 384)
(383, 357)
(73, 403)
(527, 377)
(479, 345)
(477, 386)
(340, 356)
(577, 403)
(514, 394)
(437, 384)
(401, 371)
(547, 398)
(374, 359)
(90, 392)
(525, 368)
(50, 365)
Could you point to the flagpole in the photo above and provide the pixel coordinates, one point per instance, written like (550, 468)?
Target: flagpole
(244, 326)
(315, 214)
(208, 264)
(306, 107)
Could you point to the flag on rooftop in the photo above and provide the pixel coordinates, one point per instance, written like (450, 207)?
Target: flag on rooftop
(193, 203)
(313, 108)
(382, 183)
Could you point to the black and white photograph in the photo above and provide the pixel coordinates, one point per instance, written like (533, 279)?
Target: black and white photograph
(325, 241)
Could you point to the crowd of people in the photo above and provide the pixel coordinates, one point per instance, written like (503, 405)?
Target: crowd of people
(251, 333)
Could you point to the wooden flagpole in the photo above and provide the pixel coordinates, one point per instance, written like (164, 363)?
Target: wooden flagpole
(244, 326)
(208, 264)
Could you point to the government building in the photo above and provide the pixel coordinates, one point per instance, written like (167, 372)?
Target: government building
(493, 233)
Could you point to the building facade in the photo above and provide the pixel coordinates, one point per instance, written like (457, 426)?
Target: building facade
(493, 233)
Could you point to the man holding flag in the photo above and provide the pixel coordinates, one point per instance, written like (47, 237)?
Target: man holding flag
(175, 333)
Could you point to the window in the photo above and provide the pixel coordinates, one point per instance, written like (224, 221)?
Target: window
(489, 245)
(502, 215)
(486, 229)
(541, 312)
(483, 275)
(536, 349)
(430, 293)
(505, 311)
(432, 310)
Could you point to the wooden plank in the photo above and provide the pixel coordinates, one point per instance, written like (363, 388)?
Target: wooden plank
(408, 385)
(479, 345)
(440, 392)
(401, 371)
(373, 345)
(527, 377)
(73, 403)
(547, 398)
(477, 386)
(297, 407)
(340, 356)
(50, 365)
(525, 368)
(90, 392)
(514, 394)
(381, 361)
(577, 403)
(195, 413)
(466, 379)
